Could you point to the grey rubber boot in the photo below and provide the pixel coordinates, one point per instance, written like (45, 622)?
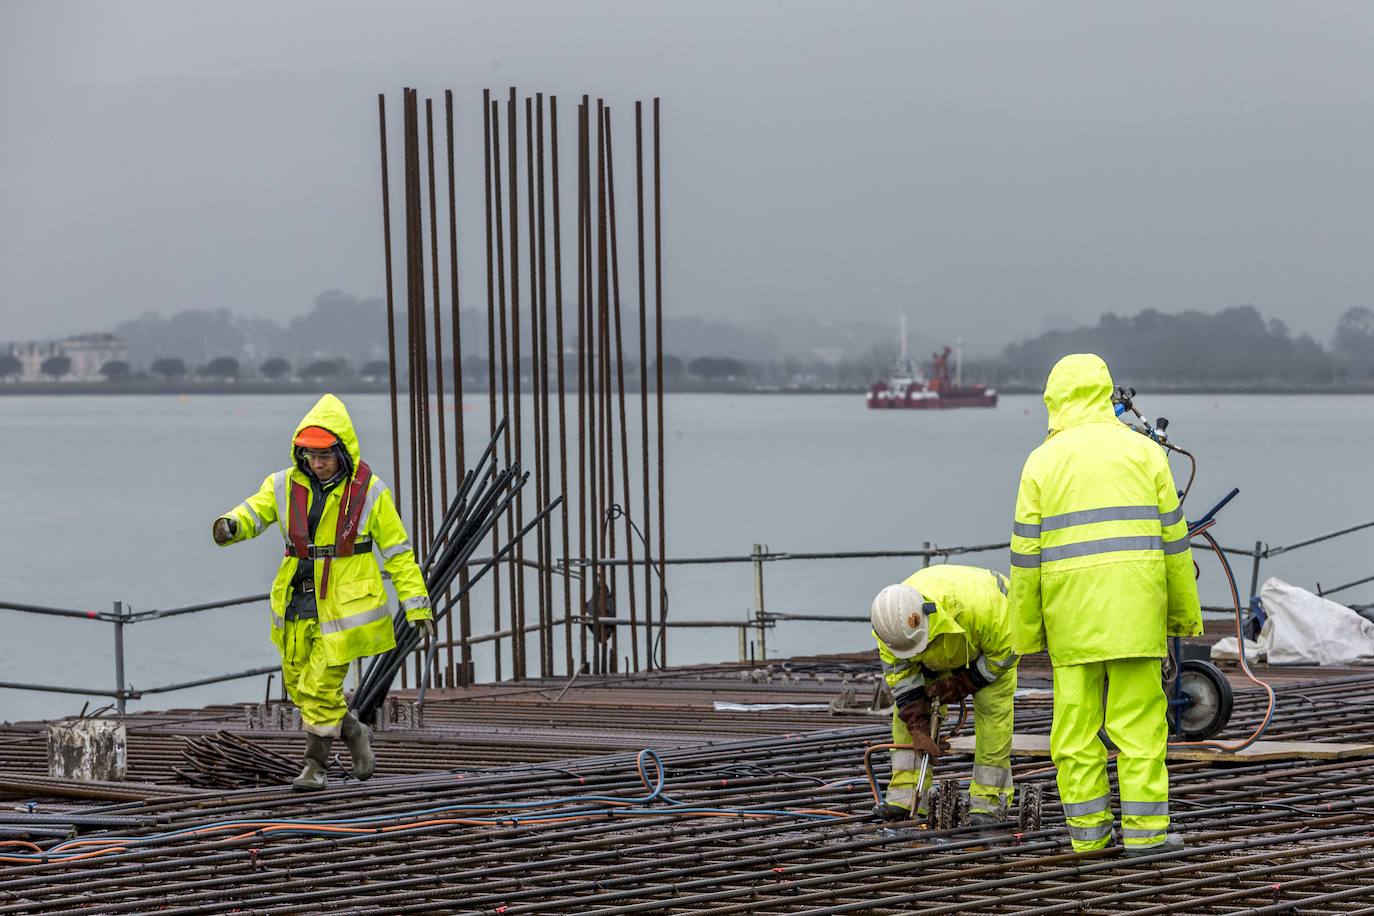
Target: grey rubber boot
(1173, 842)
(359, 738)
(314, 776)
(990, 826)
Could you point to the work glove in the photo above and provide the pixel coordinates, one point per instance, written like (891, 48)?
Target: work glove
(916, 715)
(924, 744)
(426, 627)
(951, 689)
(225, 529)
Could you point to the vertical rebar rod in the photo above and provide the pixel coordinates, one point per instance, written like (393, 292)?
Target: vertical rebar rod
(537, 424)
(607, 443)
(583, 375)
(646, 519)
(658, 343)
(459, 446)
(410, 334)
(562, 403)
(499, 220)
(628, 506)
(545, 526)
(390, 306)
(438, 311)
(518, 554)
(487, 130)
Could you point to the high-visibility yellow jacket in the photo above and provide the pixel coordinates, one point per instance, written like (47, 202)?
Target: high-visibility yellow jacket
(1100, 562)
(969, 629)
(353, 616)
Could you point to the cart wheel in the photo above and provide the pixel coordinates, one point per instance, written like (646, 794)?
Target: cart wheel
(1209, 698)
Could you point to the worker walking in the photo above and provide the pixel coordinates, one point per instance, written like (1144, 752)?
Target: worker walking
(328, 603)
(944, 634)
(1101, 572)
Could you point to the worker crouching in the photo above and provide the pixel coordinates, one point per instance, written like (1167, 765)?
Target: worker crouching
(328, 603)
(943, 635)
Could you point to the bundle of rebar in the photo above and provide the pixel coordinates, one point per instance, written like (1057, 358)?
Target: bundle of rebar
(484, 497)
(530, 355)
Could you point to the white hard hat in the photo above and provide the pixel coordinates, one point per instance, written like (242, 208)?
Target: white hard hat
(898, 616)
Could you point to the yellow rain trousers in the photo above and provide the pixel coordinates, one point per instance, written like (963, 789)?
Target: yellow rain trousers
(354, 619)
(1101, 574)
(969, 629)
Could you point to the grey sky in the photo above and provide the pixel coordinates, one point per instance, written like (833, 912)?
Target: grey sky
(979, 166)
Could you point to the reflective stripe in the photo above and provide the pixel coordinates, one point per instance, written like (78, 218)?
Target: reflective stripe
(1171, 518)
(1001, 582)
(900, 666)
(395, 550)
(995, 777)
(1025, 560)
(1005, 663)
(902, 797)
(903, 761)
(1144, 809)
(983, 668)
(1105, 545)
(411, 604)
(1178, 546)
(1088, 834)
(909, 691)
(374, 492)
(279, 487)
(257, 521)
(353, 621)
(1130, 834)
(1082, 809)
(1025, 530)
(1091, 516)
(278, 622)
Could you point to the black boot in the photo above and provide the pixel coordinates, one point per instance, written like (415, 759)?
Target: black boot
(359, 738)
(314, 776)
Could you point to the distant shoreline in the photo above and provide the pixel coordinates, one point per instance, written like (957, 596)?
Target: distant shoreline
(358, 386)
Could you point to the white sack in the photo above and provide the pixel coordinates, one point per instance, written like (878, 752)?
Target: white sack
(1304, 629)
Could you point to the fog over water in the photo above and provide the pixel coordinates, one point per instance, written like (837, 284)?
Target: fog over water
(113, 498)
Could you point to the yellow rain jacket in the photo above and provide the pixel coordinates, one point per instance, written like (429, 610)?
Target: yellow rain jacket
(1101, 565)
(354, 619)
(969, 629)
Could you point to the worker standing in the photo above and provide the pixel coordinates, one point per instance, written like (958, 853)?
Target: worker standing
(328, 603)
(944, 634)
(1101, 572)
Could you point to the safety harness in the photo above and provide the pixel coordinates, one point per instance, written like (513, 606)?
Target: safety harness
(346, 543)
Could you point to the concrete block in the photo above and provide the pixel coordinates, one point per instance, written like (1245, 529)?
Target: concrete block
(87, 749)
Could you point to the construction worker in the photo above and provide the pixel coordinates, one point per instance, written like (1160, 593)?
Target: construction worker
(943, 634)
(328, 603)
(1101, 571)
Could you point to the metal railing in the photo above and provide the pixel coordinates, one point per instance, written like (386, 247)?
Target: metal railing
(757, 624)
(119, 617)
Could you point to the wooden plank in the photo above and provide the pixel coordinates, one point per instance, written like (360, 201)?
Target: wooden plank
(1039, 746)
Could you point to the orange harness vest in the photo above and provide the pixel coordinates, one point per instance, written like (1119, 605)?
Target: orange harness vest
(298, 543)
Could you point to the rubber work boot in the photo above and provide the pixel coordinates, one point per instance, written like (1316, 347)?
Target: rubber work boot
(989, 826)
(1173, 842)
(359, 738)
(314, 776)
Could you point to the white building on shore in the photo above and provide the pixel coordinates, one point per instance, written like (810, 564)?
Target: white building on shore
(88, 354)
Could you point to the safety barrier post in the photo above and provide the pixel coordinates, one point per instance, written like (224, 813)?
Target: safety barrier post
(1254, 570)
(119, 655)
(758, 600)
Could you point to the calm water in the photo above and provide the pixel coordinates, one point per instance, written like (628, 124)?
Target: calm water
(111, 498)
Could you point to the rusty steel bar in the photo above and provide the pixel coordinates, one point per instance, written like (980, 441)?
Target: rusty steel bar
(545, 529)
(459, 446)
(562, 403)
(390, 306)
(438, 311)
(658, 346)
(646, 519)
(518, 555)
(488, 110)
(627, 508)
(531, 222)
